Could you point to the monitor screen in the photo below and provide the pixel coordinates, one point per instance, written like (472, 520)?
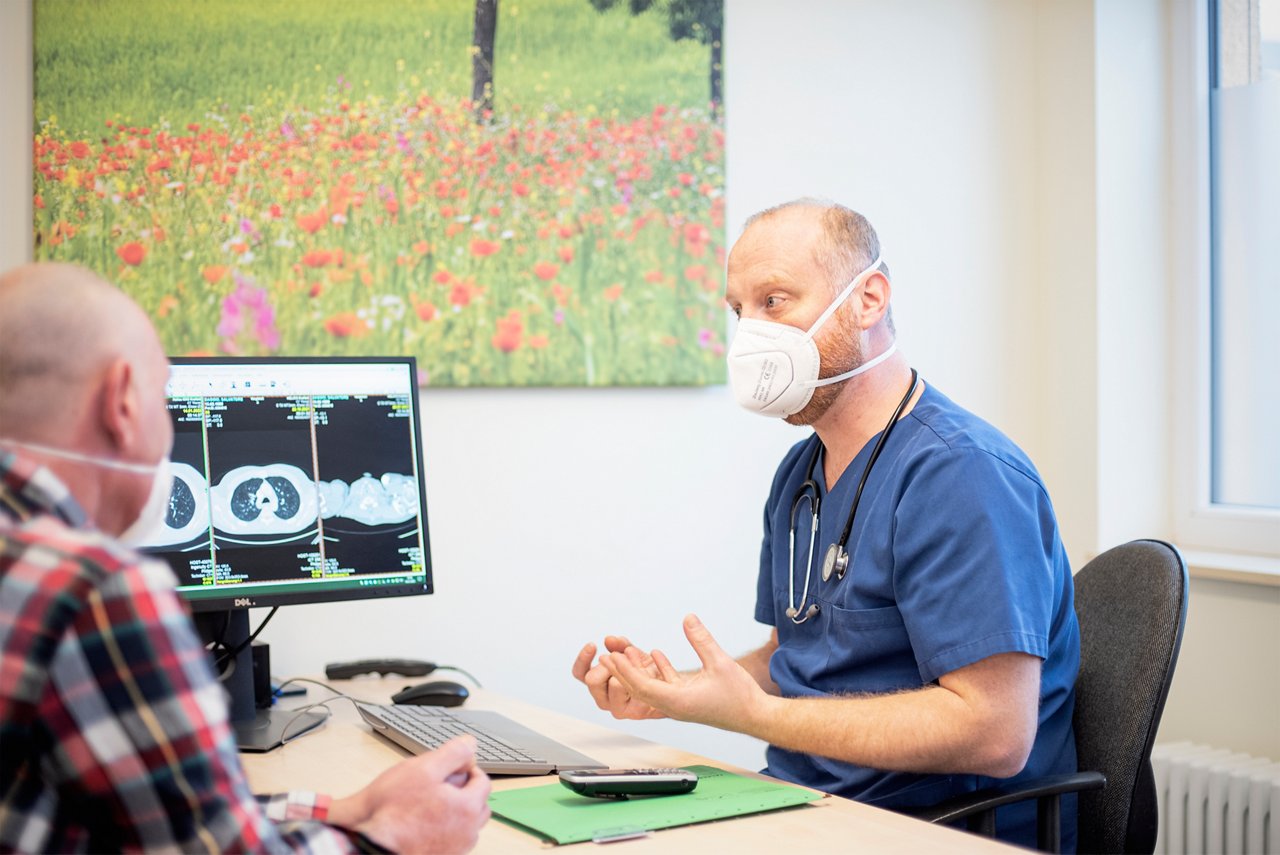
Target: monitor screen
(296, 480)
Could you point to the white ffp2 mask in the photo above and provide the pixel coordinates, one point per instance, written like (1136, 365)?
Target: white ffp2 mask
(773, 367)
(153, 511)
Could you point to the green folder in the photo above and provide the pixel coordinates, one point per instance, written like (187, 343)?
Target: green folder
(560, 815)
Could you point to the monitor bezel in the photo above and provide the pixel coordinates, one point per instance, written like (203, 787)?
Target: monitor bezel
(231, 601)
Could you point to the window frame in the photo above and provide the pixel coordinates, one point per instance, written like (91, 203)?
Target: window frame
(1199, 523)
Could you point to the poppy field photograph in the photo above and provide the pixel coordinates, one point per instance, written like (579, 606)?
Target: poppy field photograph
(516, 192)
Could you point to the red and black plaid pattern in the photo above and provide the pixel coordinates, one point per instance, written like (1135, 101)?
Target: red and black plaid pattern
(113, 729)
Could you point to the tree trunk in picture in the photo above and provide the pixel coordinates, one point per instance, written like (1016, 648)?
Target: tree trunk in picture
(486, 26)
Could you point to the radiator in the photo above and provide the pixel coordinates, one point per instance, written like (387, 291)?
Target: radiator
(1215, 801)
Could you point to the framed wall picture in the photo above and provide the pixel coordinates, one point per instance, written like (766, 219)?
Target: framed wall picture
(523, 192)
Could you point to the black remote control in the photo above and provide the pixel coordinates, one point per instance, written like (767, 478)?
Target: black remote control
(403, 667)
(621, 783)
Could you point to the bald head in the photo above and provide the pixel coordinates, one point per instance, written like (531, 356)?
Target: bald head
(842, 241)
(61, 327)
(845, 243)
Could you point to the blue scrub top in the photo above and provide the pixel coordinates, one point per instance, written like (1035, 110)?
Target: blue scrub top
(955, 556)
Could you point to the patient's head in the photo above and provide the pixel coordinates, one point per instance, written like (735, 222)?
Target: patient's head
(82, 370)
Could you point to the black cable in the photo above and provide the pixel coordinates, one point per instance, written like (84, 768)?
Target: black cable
(460, 671)
(226, 658)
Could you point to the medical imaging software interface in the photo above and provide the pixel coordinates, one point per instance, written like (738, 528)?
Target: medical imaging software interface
(293, 478)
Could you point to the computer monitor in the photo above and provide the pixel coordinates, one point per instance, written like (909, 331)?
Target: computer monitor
(295, 480)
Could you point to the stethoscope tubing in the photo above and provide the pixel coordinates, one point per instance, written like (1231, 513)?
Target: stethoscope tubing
(809, 490)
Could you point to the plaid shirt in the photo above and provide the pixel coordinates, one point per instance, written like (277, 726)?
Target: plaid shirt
(113, 730)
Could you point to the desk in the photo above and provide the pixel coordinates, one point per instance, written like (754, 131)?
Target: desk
(344, 755)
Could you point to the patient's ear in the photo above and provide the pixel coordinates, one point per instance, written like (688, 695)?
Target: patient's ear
(118, 405)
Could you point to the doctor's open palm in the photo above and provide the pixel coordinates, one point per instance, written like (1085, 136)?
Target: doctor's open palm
(722, 693)
(609, 693)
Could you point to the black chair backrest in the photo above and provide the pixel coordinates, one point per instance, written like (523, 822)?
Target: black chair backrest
(1132, 605)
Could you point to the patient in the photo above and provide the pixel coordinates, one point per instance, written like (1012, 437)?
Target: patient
(114, 732)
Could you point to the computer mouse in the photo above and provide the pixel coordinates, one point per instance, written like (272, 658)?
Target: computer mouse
(438, 693)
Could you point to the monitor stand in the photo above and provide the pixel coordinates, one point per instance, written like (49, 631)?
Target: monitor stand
(256, 730)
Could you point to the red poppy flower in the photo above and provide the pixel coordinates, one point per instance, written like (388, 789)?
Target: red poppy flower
(345, 325)
(312, 223)
(482, 248)
(510, 331)
(132, 253)
(460, 295)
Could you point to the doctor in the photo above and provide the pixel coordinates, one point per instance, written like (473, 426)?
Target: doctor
(924, 642)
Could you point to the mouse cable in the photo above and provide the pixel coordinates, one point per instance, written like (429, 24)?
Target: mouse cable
(285, 739)
(299, 712)
(460, 671)
(337, 693)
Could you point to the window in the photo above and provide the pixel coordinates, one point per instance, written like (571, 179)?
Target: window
(1231, 498)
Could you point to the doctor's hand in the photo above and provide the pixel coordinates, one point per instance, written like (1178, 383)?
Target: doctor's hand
(722, 694)
(609, 694)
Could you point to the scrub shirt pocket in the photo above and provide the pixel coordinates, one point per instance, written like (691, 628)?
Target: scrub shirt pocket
(868, 650)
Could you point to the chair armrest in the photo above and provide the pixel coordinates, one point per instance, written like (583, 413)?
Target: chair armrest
(963, 807)
(978, 809)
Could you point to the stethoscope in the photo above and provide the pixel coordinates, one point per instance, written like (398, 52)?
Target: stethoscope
(836, 561)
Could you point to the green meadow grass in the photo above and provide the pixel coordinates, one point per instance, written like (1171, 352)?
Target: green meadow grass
(302, 178)
(147, 61)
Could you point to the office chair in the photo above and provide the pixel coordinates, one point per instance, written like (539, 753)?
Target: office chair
(1131, 602)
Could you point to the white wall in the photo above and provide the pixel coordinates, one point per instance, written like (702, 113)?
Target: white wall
(665, 518)
(15, 133)
(1010, 155)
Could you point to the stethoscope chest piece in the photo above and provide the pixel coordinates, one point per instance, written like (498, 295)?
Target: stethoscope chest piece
(836, 562)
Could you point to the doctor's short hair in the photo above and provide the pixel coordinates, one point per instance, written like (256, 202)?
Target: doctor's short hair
(849, 241)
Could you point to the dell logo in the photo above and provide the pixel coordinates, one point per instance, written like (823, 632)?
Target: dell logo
(243, 601)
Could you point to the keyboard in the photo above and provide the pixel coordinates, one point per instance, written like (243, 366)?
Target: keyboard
(503, 746)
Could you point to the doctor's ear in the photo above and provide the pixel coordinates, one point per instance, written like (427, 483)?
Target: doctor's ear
(874, 300)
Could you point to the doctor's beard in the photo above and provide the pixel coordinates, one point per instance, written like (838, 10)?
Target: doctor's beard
(841, 353)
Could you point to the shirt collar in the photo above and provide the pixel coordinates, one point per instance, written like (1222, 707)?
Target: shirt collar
(27, 489)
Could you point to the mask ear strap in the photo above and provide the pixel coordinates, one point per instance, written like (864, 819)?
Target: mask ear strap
(866, 366)
(844, 295)
(67, 454)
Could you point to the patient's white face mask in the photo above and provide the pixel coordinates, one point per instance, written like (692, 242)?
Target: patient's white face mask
(773, 367)
(153, 510)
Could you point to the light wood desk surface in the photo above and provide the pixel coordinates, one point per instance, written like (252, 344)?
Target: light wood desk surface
(345, 755)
